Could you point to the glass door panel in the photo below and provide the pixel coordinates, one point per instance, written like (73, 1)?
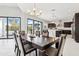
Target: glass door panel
(40, 27)
(13, 25)
(30, 26)
(33, 26)
(0, 27)
(3, 27)
(36, 26)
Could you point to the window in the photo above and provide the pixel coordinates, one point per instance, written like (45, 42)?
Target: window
(33, 26)
(37, 26)
(13, 24)
(30, 26)
(3, 27)
(8, 25)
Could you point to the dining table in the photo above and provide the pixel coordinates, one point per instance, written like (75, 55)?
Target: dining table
(40, 43)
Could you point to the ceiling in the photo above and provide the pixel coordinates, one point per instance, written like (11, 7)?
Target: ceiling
(63, 11)
(9, 4)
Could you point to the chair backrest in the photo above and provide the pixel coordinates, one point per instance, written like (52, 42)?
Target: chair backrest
(24, 49)
(38, 33)
(45, 33)
(15, 37)
(16, 42)
(61, 45)
(19, 42)
(21, 48)
(52, 32)
(22, 32)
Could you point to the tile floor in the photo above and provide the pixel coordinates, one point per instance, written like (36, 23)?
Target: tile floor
(7, 47)
(71, 47)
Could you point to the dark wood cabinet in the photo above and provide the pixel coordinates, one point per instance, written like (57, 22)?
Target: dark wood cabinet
(51, 25)
(58, 33)
(75, 27)
(67, 24)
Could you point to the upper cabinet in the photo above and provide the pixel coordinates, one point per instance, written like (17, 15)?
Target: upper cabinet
(51, 25)
(67, 24)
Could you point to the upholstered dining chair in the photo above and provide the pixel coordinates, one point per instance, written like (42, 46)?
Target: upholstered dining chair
(38, 33)
(54, 51)
(23, 34)
(16, 44)
(16, 50)
(25, 49)
(45, 33)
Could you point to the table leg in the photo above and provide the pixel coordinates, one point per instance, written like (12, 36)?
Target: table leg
(57, 45)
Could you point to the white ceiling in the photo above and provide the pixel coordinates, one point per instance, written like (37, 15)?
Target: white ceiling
(63, 11)
(9, 4)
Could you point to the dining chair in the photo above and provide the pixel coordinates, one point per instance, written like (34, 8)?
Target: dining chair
(16, 49)
(45, 33)
(38, 33)
(23, 34)
(25, 49)
(54, 51)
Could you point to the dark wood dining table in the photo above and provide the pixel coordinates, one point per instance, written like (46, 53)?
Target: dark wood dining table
(41, 43)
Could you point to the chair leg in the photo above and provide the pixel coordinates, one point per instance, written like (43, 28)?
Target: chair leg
(57, 45)
(61, 54)
(36, 52)
(15, 49)
(19, 52)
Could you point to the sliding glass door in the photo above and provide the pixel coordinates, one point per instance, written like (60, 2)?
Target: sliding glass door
(40, 27)
(3, 27)
(33, 26)
(0, 27)
(8, 25)
(13, 25)
(37, 26)
(30, 26)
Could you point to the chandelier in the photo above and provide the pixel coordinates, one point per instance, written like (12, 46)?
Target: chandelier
(34, 11)
(53, 14)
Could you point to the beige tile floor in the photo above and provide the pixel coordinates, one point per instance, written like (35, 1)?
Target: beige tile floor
(71, 47)
(7, 47)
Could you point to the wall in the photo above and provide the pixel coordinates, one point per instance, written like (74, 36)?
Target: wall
(16, 12)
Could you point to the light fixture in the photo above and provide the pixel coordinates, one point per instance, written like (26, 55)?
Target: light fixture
(53, 15)
(34, 11)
